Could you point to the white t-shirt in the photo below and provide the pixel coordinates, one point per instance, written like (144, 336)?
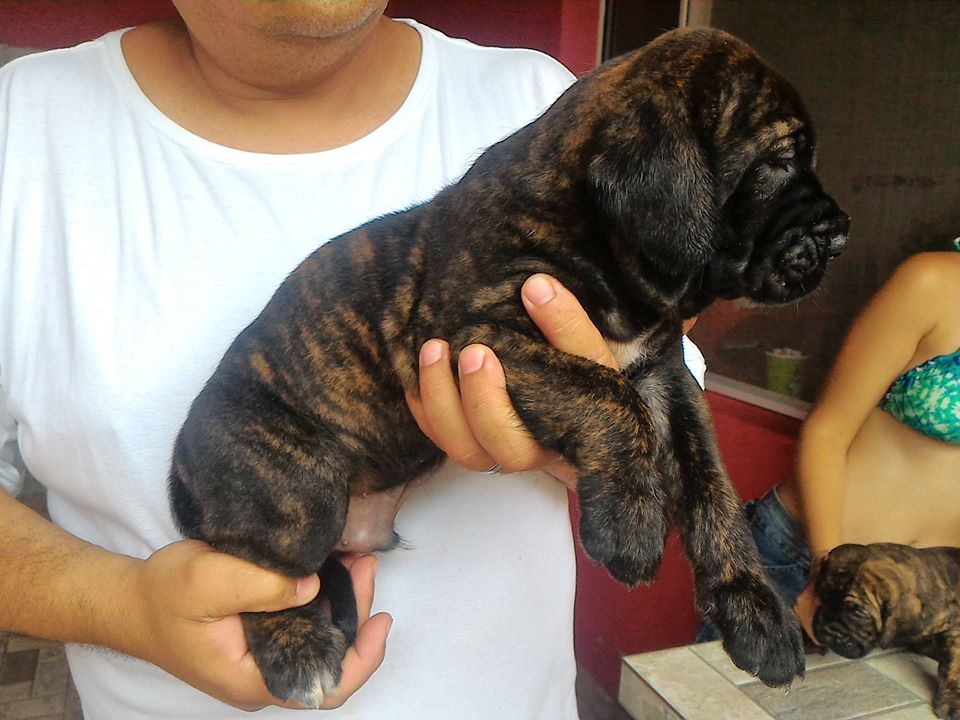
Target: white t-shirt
(132, 252)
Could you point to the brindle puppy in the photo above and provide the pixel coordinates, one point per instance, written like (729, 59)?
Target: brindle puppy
(664, 179)
(886, 595)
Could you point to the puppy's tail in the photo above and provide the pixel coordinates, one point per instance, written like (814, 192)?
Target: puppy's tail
(337, 586)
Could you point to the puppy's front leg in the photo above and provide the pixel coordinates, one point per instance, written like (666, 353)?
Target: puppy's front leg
(760, 633)
(946, 699)
(591, 416)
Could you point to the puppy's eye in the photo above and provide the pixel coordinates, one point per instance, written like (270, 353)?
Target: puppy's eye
(786, 155)
(855, 609)
(782, 158)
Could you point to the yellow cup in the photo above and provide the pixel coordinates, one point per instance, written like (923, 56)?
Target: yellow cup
(785, 370)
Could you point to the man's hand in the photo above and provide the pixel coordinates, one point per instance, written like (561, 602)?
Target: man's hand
(185, 600)
(477, 426)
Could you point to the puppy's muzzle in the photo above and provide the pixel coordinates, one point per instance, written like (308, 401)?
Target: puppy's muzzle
(846, 632)
(800, 255)
(811, 248)
(815, 238)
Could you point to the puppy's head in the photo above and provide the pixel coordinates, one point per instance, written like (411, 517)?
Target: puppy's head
(852, 615)
(707, 169)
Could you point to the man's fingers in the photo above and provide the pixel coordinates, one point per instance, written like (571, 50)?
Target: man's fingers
(230, 585)
(475, 424)
(442, 410)
(490, 413)
(362, 659)
(563, 320)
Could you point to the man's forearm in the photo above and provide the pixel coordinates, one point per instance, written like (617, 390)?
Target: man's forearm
(56, 586)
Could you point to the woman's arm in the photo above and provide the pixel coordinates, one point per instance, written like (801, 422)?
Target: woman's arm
(894, 332)
(886, 339)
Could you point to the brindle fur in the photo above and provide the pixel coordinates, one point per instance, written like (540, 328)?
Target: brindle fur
(885, 595)
(665, 179)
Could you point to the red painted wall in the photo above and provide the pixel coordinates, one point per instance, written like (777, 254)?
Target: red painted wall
(569, 30)
(54, 23)
(758, 446)
(566, 29)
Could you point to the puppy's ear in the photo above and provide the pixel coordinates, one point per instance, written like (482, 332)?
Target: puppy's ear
(890, 600)
(850, 554)
(652, 181)
(886, 623)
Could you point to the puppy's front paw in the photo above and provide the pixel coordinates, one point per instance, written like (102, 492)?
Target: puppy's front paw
(946, 700)
(760, 633)
(624, 535)
(299, 652)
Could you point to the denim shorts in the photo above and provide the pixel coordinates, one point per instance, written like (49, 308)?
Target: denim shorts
(782, 544)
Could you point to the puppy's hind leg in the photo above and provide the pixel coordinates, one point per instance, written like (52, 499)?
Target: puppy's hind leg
(760, 633)
(300, 650)
(282, 507)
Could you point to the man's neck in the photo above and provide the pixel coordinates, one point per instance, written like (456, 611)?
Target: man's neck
(277, 94)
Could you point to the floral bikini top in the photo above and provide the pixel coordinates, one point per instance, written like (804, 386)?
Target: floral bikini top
(927, 397)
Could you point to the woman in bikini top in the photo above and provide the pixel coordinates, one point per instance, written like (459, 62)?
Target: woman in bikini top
(879, 454)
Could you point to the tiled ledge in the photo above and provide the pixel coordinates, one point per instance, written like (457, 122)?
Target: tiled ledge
(698, 682)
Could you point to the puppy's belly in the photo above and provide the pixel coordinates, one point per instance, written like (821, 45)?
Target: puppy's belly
(370, 518)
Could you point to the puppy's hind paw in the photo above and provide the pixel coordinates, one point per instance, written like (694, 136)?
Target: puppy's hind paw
(760, 633)
(299, 653)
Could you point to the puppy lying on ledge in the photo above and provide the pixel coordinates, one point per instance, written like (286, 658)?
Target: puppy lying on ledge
(887, 595)
(663, 180)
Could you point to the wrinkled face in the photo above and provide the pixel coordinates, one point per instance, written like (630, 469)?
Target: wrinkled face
(847, 626)
(848, 620)
(778, 228)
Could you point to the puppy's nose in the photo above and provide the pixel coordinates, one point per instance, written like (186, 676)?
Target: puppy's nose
(837, 234)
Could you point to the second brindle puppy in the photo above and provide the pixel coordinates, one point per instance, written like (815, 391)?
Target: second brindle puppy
(667, 178)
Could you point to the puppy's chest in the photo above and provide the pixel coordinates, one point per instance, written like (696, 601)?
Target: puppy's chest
(629, 352)
(641, 360)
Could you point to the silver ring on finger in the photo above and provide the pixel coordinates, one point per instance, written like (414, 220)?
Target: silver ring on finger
(495, 469)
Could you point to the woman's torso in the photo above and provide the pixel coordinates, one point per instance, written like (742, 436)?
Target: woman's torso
(901, 485)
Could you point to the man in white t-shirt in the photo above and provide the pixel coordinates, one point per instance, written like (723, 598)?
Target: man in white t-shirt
(156, 185)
